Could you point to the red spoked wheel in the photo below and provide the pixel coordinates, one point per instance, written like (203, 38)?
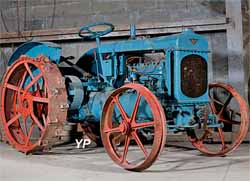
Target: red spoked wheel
(232, 116)
(129, 112)
(33, 103)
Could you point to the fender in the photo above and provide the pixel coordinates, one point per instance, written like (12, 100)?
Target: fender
(33, 49)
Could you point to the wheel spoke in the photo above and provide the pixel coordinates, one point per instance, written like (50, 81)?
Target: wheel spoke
(218, 102)
(125, 150)
(112, 130)
(13, 87)
(28, 69)
(122, 111)
(12, 120)
(220, 131)
(139, 143)
(29, 134)
(23, 79)
(44, 119)
(229, 121)
(143, 125)
(37, 122)
(226, 104)
(40, 99)
(136, 106)
(33, 81)
(21, 86)
(212, 107)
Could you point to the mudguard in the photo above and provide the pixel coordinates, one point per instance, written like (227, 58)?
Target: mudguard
(33, 49)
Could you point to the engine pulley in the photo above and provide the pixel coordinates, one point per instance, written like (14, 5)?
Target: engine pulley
(75, 92)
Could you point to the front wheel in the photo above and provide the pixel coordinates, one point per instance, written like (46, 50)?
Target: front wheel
(128, 112)
(232, 113)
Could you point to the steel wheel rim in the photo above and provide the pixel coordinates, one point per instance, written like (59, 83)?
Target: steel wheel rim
(159, 129)
(243, 128)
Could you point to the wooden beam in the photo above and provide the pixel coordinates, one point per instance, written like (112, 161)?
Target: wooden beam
(120, 30)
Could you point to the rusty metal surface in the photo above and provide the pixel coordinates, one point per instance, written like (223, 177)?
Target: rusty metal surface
(226, 112)
(2, 135)
(33, 115)
(113, 135)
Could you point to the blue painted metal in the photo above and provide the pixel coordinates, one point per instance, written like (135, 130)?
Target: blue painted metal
(91, 34)
(132, 31)
(34, 49)
(109, 64)
(179, 42)
(97, 99)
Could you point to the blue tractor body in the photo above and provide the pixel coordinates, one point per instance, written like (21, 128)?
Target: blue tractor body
(165, 74)
(164, 78)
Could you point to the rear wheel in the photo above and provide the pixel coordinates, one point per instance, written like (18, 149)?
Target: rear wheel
(33, 104)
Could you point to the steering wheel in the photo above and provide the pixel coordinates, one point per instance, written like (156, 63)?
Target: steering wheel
(95, 34)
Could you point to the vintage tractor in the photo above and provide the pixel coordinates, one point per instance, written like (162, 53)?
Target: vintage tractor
(127, 95)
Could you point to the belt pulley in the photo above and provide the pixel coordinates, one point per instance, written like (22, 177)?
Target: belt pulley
(75, 92)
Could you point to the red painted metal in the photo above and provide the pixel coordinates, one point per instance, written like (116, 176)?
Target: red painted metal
(226, 113)
(126, 132)
(33, 106)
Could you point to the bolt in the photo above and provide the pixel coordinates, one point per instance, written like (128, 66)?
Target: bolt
(55, 92)
(58, 132)
(64, 106)
(61, 81)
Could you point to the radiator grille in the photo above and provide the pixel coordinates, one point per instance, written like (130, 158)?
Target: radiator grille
(193, 76)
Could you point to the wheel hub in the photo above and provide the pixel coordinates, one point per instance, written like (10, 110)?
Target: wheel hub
(125, 128)
(26, 105)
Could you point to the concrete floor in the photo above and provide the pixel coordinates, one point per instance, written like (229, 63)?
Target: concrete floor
(66, 163)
